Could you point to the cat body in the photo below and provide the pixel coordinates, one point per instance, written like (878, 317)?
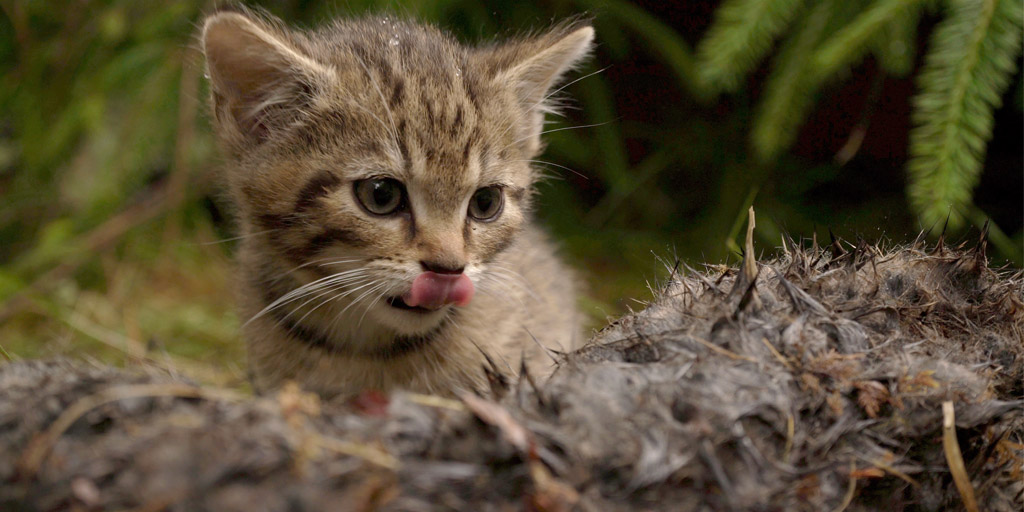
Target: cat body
(382, 178)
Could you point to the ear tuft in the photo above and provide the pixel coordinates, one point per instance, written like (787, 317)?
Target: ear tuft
(258, 77)
(554, 54)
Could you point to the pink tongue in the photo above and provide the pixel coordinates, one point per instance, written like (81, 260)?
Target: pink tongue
(431, 290)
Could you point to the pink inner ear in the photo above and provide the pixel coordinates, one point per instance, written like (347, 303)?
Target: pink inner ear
(431, 290)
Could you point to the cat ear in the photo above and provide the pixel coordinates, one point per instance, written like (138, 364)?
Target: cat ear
(548, 58)
(259, 79)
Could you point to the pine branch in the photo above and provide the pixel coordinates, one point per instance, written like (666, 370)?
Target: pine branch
(972, 60)
(895, 44)
(789, 90)
(741, 35)
(851, 43)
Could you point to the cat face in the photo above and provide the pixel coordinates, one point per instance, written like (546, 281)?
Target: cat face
(379, 165)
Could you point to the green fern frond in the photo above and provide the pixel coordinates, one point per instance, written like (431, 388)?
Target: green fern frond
(895, 43)
(789, 89)
(851, 43)
(972, 60)
(740, 36)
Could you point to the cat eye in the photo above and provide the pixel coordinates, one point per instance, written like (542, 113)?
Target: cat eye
(486, 203)
(380, 196)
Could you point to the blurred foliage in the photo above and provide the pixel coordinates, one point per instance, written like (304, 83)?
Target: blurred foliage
(115, 243)
(972, 58)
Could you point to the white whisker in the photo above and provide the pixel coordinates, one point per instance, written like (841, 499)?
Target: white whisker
(332, 298)
(370, 303)
(309, 288)
(240, 237)
(556, 165)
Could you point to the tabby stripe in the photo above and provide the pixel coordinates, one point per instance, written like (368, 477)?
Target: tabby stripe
(322, 184)
(330, 236)
(397, 93)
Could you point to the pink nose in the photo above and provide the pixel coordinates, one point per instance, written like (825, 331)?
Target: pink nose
(431, 290)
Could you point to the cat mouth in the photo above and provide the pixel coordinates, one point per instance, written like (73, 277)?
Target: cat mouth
(399, 303)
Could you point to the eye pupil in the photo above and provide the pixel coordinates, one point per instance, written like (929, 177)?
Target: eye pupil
(486, 204)
(382, 193)
(380, 196)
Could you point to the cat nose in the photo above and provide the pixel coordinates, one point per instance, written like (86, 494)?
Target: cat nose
(441, 268)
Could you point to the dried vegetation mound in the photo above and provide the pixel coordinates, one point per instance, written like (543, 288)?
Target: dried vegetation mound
(827, 379)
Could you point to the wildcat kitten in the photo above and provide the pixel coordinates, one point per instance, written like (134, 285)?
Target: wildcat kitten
(382, 179)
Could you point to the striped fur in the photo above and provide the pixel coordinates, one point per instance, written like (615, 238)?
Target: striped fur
(304, 115)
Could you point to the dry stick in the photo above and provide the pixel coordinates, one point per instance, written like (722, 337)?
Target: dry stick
(779, 356)
(850, 489)
(434, 401)
(725, 352)
(955, 459)
(367, 453)
(888, 468)
(749, 259)
(790, 434)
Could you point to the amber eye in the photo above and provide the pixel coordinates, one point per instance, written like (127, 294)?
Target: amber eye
(380, 196)
(485, 205)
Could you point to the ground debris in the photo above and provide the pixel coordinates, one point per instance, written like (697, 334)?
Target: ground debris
(850, 379)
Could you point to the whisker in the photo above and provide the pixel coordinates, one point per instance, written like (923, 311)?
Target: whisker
(581, 175)
(515, 277)
(328, 290)
(307, 289)
(560, 89)
(239, 237)
(553, 130)
(356, 301)
(502, 286)
(370, 303)
(335, 297)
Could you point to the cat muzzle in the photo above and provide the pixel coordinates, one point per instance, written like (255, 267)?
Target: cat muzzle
(432, 291)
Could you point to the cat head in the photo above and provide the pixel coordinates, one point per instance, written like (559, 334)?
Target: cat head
(382, 148)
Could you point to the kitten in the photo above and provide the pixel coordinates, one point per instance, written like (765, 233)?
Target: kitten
(382, 178)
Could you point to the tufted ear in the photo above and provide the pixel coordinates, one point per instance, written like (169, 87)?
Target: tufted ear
(260, 79)
(537, 65)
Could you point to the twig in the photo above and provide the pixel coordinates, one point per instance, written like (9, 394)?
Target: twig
(367, 453)
(435, 401)
(955, 459)
(851, 488)
(790, 434)
(779, 356)
(725, 352)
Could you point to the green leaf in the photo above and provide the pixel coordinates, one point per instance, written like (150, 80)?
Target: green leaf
(790, 89)
(740, 36)
(894, 46)
(972, 59)
(851, 43)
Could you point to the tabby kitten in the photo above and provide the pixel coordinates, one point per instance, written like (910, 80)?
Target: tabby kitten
(382, 178)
